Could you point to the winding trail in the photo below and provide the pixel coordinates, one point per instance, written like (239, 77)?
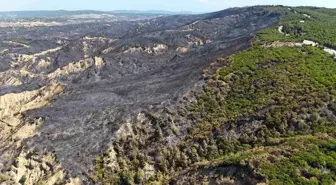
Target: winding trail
(315, 44)
(305, 42)
(277, 44)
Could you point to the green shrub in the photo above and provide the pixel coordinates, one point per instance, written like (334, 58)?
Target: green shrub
(23, 180)
(3, 178)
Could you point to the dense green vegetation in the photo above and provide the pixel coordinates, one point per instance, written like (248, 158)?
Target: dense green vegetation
(295, 160)
(304, 23)
(312, 164)
(267, 115)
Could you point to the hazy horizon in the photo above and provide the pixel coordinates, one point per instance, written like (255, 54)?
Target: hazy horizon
(117, 10)
(149, 5)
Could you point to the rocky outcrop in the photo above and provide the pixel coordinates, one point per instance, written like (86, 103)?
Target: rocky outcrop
(156, 49)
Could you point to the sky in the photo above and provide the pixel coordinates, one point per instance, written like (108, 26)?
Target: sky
(170, 5)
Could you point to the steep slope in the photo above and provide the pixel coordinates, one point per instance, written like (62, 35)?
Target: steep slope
(263, 116)
(232, 97)
(69, 91)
